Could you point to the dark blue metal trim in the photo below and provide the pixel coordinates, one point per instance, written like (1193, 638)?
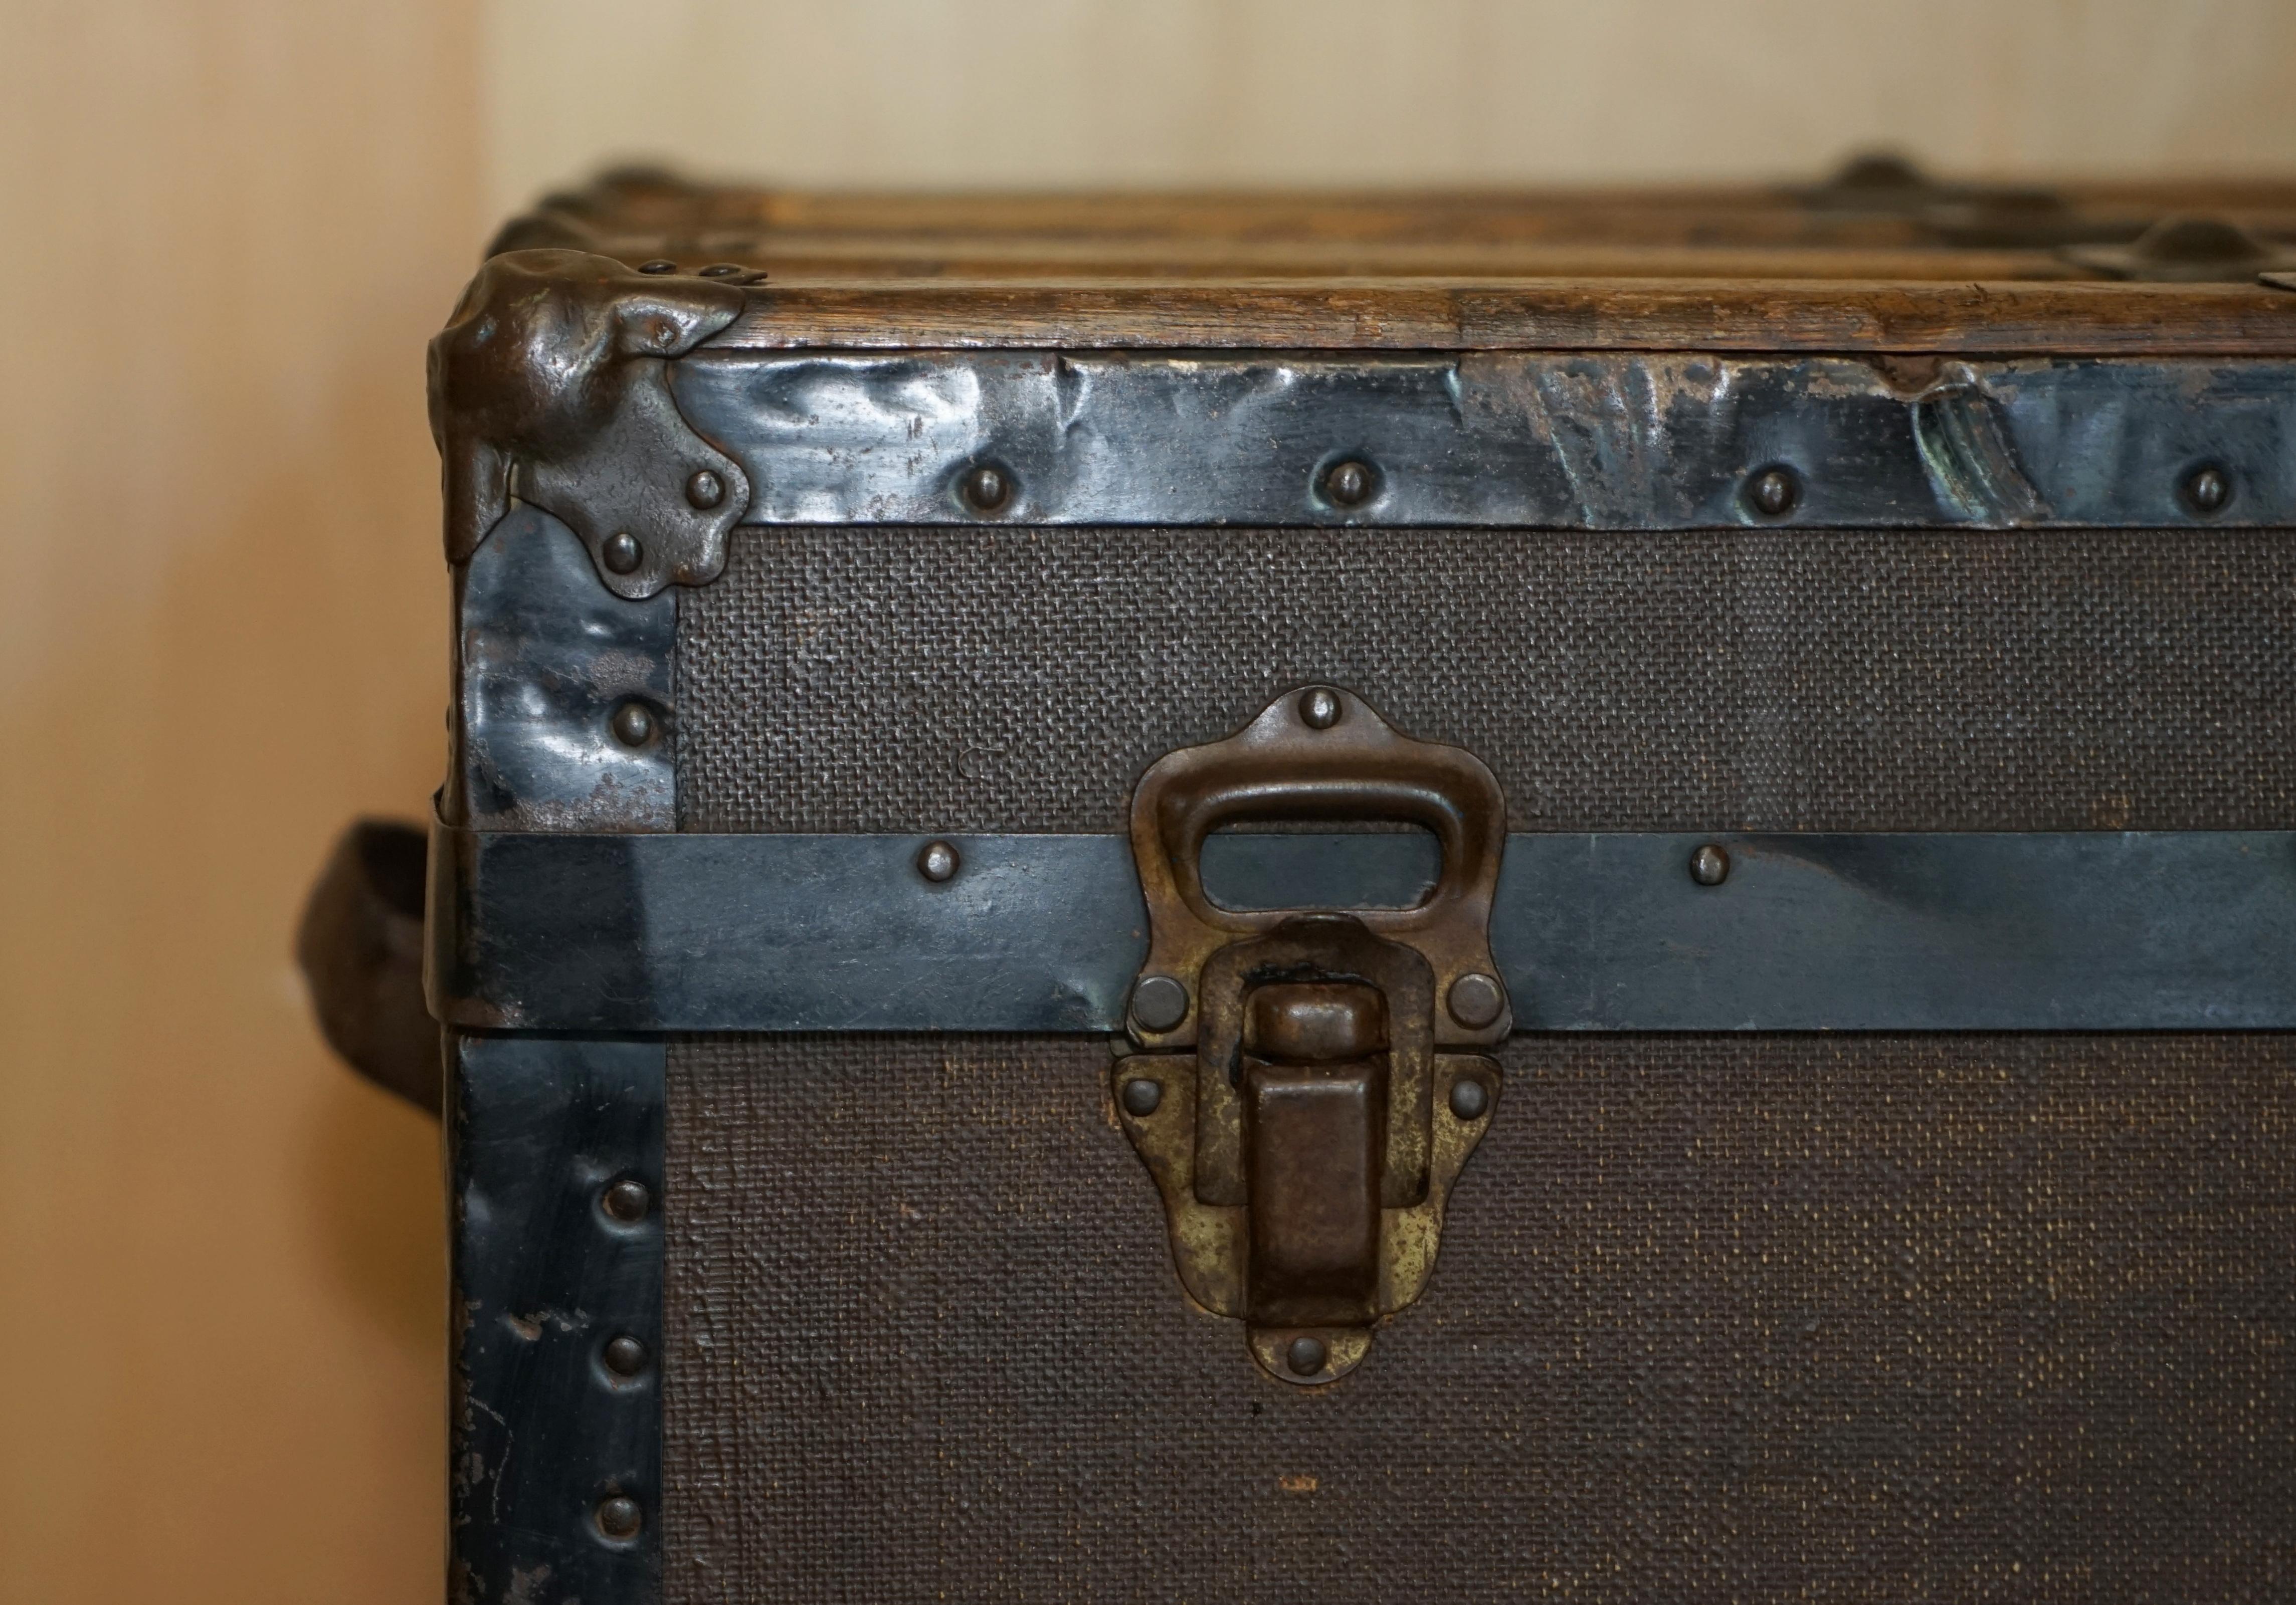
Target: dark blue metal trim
(542, 1432)
(546, 655)
(1593, 932)
(1593, 440)
(2073, 931)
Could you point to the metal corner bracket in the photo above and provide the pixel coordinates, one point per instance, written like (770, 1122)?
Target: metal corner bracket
(550, 385)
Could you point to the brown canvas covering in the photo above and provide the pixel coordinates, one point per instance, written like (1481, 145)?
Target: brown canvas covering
(1717, 1318)
(1017, 679)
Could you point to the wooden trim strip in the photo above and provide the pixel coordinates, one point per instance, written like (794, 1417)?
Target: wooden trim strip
(1529, 314)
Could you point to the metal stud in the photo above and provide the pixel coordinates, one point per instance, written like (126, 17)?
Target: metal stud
(1349, 484)
(1709, 866)
(624, 1356)
(1772, 492)
(705, 489)
(1320, 708)
(627, 1201)
(619, 1518)
(938, 862)
(1306, 1357)
(987, 487)
(2208, 489)
(659, 265)
(1475, 1000)
(1141, 1094)
(1470, 1098)
(633, 724)
(1159, 1003)
(723, 270)
(623, 553)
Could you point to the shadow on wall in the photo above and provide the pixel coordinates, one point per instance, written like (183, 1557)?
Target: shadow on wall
(373, 1174)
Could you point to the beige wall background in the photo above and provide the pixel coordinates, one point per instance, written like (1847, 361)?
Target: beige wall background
(939, 92)
(232, 225)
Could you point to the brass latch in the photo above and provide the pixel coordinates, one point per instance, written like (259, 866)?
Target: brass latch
(1297, 1095)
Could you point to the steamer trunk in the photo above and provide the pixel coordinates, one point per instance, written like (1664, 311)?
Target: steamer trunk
(1873, 1176)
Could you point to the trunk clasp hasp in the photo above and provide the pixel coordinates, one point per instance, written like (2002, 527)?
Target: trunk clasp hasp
(1305, 1090)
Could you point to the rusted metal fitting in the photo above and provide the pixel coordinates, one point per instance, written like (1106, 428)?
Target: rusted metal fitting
(1295, 1058)
(1709, 866)
(624, 1356)
(1349, 483)
(619, 1518)
(549, 385)
(626, 1201)
(2208, 489)
(633, 724)
(1772, 492)
(622, 554)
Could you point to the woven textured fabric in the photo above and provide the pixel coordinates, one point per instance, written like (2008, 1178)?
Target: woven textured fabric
(1939, 1318)
(1018, 679)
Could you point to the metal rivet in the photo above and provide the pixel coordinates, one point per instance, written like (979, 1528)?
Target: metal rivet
(723, 270)
(2208, 489)
(1349, 484)
(938, 862)
(1141, 1094)
(626, 1356)
(659, 265)
(1772, 492)
(623, 553)
(633, 724)
(619, 1518)
(1320, 708)
(1159, 1003)
(1306, 1357)
(705, 489)
(1709, 866)
(1475, 1001)
(1468, 1098)
(627, 1201)
(987, 487)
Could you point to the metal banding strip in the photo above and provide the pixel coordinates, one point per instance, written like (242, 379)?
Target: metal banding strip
(1593, 932)
(1584, 440)
(547, 657)
(547, 1432)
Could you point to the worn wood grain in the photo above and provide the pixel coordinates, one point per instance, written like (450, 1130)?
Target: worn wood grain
(865, 256)
(2000, 319)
